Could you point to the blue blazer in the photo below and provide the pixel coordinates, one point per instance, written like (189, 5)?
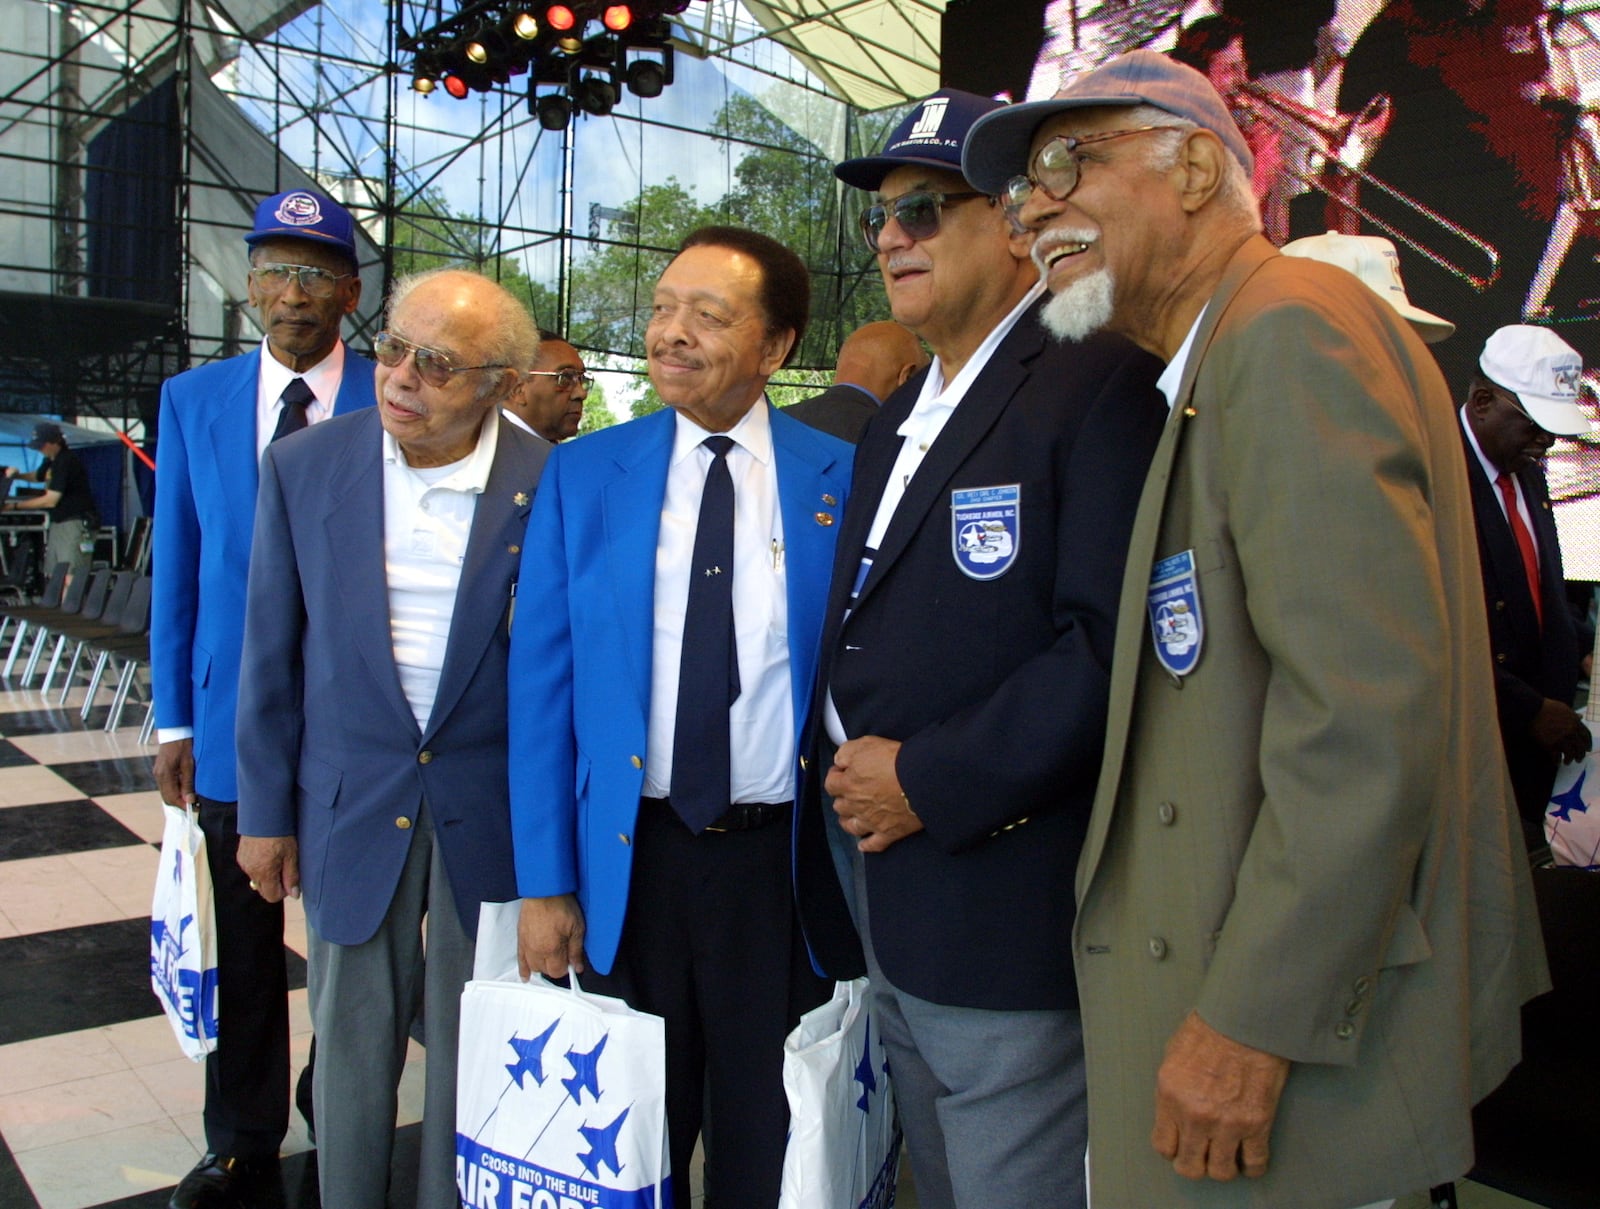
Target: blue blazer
(581, 647)
(329, 750)
(206, 476)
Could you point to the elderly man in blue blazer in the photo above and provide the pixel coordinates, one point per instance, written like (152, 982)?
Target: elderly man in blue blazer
(215, 423)
(372, 731)
(662, 660)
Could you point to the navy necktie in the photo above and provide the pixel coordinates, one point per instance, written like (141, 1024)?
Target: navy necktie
(296, 396)
(708, 677)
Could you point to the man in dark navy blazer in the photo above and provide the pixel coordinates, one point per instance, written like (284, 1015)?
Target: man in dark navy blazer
(215, 422)
(963, 678)
(1524, 396)
(874, 361)
(372, 720)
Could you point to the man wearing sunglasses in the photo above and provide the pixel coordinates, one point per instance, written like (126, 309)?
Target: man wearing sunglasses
(372, 724)
(1305, 925)
(216, 421)
(1523, 396)
(965, 658)
(549, 400)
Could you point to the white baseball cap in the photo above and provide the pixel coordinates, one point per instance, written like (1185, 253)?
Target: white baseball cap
(1372, 259)
(1543, 371)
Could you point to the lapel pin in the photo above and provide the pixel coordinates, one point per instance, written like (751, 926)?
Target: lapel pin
(829, 500)
(1190, 412)
(824, 518)
(520, 499)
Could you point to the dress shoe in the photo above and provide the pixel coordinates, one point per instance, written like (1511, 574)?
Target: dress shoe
(302, 1095)
(218, 1180)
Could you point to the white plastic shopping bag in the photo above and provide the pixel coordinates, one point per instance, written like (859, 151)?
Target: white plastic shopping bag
(844, 1137)
(1572, 815)
(560, 1095)
(183, 935)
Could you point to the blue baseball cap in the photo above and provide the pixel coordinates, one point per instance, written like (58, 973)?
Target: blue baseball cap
(997, 148)
(299, 214)
(932, 135)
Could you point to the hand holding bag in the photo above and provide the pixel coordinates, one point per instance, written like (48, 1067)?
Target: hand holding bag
(183, 934)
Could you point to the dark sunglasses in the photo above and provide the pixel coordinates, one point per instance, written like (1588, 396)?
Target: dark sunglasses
(917, 213)
(433, 367)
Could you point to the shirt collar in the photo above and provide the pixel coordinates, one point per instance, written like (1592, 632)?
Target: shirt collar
(938, 397)
(1172, 377)
(471, 473)
(753, 434)
(322, 378)
(1489, 468)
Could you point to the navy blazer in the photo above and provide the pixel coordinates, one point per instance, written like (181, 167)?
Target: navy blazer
(842, 410)
(1530, 664)
(206, 476)
(996, 688)
(329, 750)
(583, 644)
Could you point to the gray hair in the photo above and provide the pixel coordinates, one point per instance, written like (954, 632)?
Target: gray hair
(1236, 194)
(510, 338)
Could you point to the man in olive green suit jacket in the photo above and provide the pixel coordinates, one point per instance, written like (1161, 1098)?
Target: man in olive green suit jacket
(1304, 929)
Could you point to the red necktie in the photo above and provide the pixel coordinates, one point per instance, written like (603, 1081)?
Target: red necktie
(1530, 559)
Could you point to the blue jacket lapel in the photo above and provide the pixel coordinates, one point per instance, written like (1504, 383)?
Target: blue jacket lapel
(233, 444)
(631, 505)
(354, 526)
(493, 546)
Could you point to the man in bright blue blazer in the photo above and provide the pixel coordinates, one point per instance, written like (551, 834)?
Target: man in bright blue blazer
(216, 421)
(666, 862)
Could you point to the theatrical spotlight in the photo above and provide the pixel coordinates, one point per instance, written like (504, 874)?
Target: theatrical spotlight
(594, 94)
(553, 110)
(425, 76)
(617, 17)
(524, 26)
(560, 17)
(647, 78)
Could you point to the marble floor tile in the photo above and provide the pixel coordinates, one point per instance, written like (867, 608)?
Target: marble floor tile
(31, 784)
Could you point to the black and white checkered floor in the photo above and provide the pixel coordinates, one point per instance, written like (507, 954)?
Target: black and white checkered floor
(97, 1105)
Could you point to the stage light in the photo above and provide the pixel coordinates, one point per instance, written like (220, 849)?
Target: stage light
(594, 95)
(524, 26)
(456, 87)
(646, 78)
(559, 16)
(477, 51)
(571, 45)
(617, 17)
(554, 111)
(423, 84)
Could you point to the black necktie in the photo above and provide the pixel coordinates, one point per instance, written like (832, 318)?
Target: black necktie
(296, 396)
(708, 677)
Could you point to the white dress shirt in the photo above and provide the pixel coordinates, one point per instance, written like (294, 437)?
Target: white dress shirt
(931, 412)
(519, 421)
(323, 378)
(427, 518)
(762, 718)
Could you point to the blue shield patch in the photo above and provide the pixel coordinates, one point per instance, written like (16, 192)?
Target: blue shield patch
(986, 529)
(1175, 619)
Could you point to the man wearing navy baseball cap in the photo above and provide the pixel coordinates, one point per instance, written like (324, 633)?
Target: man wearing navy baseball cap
(215, 422)
(964, 657)
(1305, 925)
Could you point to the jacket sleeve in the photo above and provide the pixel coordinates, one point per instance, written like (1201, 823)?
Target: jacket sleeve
(271, 681)
(175, 559)
(539, 712)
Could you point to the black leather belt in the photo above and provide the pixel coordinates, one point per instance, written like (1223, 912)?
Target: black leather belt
(746, 816)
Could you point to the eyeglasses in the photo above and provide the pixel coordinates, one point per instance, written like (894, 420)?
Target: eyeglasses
(433, 367)
(566, 379)
(917, 213)
(1055, 169)
(314, 282)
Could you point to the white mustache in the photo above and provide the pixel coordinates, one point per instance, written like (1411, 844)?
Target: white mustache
(411, 405)
(896, 263)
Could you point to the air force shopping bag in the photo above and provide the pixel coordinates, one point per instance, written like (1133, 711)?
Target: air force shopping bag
(1572, 815)
(560, 1094)
(844, 1138)
(183, 934)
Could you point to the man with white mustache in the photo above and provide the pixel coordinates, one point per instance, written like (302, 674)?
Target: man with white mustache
(964, 667)
(1305, 926)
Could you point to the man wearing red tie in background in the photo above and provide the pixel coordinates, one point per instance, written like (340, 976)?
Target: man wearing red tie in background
(1523, 397)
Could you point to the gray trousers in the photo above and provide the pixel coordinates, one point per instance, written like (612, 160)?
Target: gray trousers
(993, 1103)
(362, 1002)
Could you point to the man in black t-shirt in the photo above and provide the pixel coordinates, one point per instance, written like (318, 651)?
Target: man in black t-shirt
(66, 495)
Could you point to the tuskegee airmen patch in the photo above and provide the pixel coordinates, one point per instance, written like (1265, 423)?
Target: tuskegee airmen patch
(1175, 619)
(986, 529)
